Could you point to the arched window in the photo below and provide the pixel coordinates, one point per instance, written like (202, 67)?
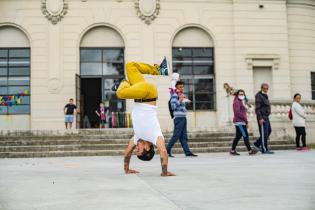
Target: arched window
(193, 59)
(14, 71)
(101, 64)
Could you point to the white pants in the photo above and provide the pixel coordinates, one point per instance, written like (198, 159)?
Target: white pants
(145, 123)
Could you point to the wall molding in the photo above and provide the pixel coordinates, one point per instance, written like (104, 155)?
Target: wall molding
(54, 18)
(147, 10)
(272, 60)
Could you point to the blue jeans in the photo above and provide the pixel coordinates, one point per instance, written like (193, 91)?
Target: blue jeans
(241, 131)
(264, 131)
(180, 132)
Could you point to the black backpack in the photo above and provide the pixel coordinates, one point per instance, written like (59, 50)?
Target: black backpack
(170, 109)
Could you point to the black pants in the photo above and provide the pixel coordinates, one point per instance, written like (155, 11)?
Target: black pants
(300, 131)
(241, 131)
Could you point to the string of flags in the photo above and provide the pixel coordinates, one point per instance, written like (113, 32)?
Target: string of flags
(10, 100)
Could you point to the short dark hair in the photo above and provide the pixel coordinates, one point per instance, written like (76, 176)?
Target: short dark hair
(147, 155)
(295, 95)
(179, 83)
(71, 99)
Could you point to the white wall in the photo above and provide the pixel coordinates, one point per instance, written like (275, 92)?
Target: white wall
(237, 27)
(301, 28)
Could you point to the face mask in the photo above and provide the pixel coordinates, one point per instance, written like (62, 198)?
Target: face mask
(241, 97)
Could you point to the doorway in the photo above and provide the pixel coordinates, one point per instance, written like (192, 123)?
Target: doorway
(262, 75)
(91, 96)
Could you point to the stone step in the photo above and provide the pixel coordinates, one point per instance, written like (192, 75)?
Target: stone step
(86, 132)
(121, 152)
(28, 142)
(120, 136)
(71, 147)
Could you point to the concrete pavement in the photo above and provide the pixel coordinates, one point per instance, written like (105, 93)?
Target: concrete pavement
(218, 181)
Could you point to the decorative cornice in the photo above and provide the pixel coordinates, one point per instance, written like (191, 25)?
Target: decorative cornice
(273, 59)
(54, 18)
(149, 16)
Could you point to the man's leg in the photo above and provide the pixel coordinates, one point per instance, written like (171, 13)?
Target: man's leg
(141, 90)
(136, 87)
(176, 135)
(267, 133)
(184, 139)
(135, 70)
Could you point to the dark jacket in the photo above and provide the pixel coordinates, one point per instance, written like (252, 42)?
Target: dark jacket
(262, 106)
(240, 111)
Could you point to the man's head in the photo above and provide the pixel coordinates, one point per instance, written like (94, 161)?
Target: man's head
(180, 86)
(145, 150)
(71, 100)
(102, 105)
(264, 88)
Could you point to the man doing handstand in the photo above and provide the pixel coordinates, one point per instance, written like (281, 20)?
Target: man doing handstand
(147, 131)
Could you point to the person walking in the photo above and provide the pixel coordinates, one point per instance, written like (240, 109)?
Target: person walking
(69, 111)
(180, 121)
(241, 122)
(298, 120)
(263, 111)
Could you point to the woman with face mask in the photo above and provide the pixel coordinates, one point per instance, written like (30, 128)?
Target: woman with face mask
(298, 120)
(240, 121)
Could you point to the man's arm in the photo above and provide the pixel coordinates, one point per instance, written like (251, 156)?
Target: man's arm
(128, 152)
(258, 105)
(65, 109)
(164, 159)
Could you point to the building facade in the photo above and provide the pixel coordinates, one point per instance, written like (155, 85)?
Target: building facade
(53, 50)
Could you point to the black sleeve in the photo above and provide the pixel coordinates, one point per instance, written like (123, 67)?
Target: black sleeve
(67, 105)
(74, 107)
(258, 104)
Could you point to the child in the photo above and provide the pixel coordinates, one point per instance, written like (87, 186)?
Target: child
(175, 79)
(102, 113)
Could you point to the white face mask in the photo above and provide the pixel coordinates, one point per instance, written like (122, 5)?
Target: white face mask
(241, 97)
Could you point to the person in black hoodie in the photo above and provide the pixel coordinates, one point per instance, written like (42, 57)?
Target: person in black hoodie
(262, 109)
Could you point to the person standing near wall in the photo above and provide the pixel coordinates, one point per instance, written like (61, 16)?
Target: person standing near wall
(102, 113)
(263, 110)
(298, 120)
(241, 122)
(69, 111)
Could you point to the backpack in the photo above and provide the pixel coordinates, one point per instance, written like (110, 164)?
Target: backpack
(290, 116)
(170, 109)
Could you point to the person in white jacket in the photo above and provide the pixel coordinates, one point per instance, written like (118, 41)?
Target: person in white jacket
(298, 120)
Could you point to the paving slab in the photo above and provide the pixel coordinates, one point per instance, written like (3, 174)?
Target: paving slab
(283, 181)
